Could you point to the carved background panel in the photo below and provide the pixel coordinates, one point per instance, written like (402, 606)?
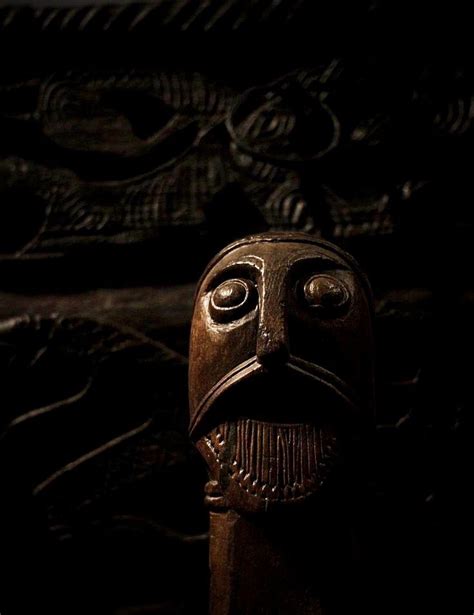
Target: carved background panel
(340, 150)
(135, 141)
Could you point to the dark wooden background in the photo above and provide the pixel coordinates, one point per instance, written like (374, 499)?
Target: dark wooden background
(135, 141)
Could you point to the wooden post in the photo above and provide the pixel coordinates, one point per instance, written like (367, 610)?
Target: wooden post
(281, 399)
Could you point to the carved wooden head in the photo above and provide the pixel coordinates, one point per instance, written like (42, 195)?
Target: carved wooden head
(281, 368)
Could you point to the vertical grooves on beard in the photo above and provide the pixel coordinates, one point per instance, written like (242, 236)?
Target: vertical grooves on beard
(251, 466)
(293, 451)
(245, 443)
(256, 450)
(238, 445)
(266, 457)
(299, 471)
(317, 454)
(260, 456)
(308, 451)
(305, 456)
(284, 458)
(273, 460)
(278, 450)
(272, 457)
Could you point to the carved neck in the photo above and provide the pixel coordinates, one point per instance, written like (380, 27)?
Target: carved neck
(291, 563)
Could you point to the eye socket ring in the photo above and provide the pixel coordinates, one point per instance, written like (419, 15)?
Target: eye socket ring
(326, 295)
(232, 299)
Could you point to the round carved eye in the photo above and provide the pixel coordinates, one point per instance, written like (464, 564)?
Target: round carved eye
(326, 294)
(232, 299)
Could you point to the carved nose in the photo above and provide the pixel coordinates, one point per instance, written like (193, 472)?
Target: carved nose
(272, 345)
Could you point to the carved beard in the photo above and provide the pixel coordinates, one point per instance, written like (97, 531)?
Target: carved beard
(274, 461)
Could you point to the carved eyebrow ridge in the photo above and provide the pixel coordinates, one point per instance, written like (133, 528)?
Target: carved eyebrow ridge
(233, 270)
(324, 263)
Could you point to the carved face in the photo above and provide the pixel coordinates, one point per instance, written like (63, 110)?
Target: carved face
(281, 373)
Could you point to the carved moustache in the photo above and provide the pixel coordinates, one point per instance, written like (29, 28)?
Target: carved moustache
(298, 368)
(284, 460)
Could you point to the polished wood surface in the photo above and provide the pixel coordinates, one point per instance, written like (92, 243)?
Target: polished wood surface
(281, 404)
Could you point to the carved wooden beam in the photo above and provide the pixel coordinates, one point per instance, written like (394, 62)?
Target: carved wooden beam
(281, 399)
